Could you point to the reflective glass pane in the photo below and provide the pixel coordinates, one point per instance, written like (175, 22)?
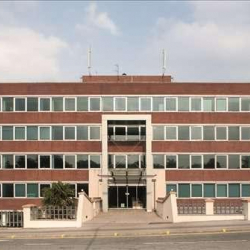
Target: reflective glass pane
(183, 162)
(208, 133)
(208, 104)
(69, 161)
(245, 161)
(32, 104)
(82, 161)
(234, 190)
(196, 133)
(20, 161)
(19, 133)
(158, 161)
(209, 161)
(94, 133)
(209, 190)
(69, 133)
(7, 103)
(171, 161)
(133, 161)
(8, 162)
(183, 103)
(233, 104)
(44, 104)
(57, 161)
(82, 103)
(245, 104)
(57, 103)
(82, 187)
(145, 104)
(158, 103)
(82, 132)
(8, 190)
(183, 133)
(44, 133)
(44, 161)
(32, 161)
(95, 161)
(133, 103)
(69, 104)
(32, 133)
(120, 161)
(57, 132)
(184, 190)
(158, 132)
(43, 188)
(196, 161)
(221, 133)
(133, 133)
(245, 133)
(94, 104)
(20, 104)
(245, 190)
(195, 104)
(170, 104)
(234, 133)
(171, 133)
(233, 161)
(221, 161)
(196, 190)
(171, 188)
(120, 104)
(20, 190)
(120, 133)
(32, 190)
(107, 103)
(7, 133)
(221, 190)
(221, 104)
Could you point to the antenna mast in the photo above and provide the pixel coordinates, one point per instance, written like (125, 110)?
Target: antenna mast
(117, 69)
(164, 62)
(89, 61)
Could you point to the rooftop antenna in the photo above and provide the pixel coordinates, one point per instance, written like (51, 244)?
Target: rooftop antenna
(164, 62)
(117, 69)
(89, 61)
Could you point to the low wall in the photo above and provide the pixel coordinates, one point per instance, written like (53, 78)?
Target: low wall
(197, 217)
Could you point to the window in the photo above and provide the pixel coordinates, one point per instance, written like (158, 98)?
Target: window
(183, 104)
(233, 161)
(233, 133)
(233, 104)
(195, 104)
(245, 133)
(196, 190)
(44, 133)
(221, 161)
(94, 104)
(95, 161)
(170, 103)
(209, 161)
(245, 161)
(120, 161)
(221, 190)
(133, 133)
(120, 133)
(196, 161)
(32, 161)
(183, 133)
(57, 132)
(7, 161)
(7, 103)
(19, 133)
(208, 133)
(57, 103)
(57, 161)
(94, 133)
(32, 104)
(32, 190)
(69, 161)
(69, 133)
(143, 134)
(20, 161)
(221, 133)
(32, 133)
(7, 133)
(145, 104)
(20, 190)
(208, 104)
(120, 104)
(44, 161)
(171, 188)
(44, 104)
(133, 161)
(70, 104)
(82, 103)
(183, 162)
(158, 103)
(143, 161)
(245, 190)
(221, 104)
(158, 133)
(158, 161)
(107, 104)
(234, 190)
(171, 161)
(196, 133)
(245, 104)
(43, 188)
(82, 161)
(82, 187)
(19, 104)
(8, 190)
(209, 190)
(82, 132)
(133, 104)
(184, 190)
(171, 133)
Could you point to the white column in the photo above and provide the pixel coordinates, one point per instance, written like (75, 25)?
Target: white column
(209, 203)
(246, 208)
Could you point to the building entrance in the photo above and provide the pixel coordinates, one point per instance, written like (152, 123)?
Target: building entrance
(127, 196)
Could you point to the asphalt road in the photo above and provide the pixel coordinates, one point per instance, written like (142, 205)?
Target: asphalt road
(229, 241)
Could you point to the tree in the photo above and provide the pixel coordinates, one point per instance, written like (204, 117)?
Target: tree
(60, 194)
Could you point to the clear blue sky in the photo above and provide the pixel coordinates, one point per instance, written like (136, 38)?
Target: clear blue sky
(48, 40)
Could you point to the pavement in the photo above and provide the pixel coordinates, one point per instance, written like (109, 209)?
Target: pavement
(127, 223)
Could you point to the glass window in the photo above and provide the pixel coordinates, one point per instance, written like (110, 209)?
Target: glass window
(184, 190)
(183, 103)
(196, 133)
(171, 133)
(183, 162)
(196, 190)
(82, 161)
(19, 133)
(120, 133)
(70, 104)
(69, 133)
(95, 161)
(82, 187)
(143, 161)
(44, 104)
(234, 190)
(158, 103)
(57, 103)
(221, 190)
(171, 188)
(57, 132)
(233, 161)
(143, 134)
(195, 104)
(208, 133)
(120, 104)
(221, 133)
(107, 103)
(133, 104)
(233, 133)
(32, 190)
(120, 161)
(145, 103)
(94, 104)
(7, 133)
(245, 133)
(158, 132)
(133, 161)
(245, 161)
(171, 161)
(94, 133)
(69, 161)
(233, 104)
(245, 104)
(196, 161)
(32, 104)
(221, 104)
(133, 133)
(245, 190)
(32, 132)
(221, 161)
(82, 132)
(32, 161)
(44, 133)
(170, 103)
(8, 190)
(209, 161)
(43, 188)
(20, 190)
(158, 161)
(208, 104)
(44, 161)
(183, 133)
(82, 103)
(209, 190)
(57, 161)
(7, 103)
(20, 161)
(19, 104)
(7, 161)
